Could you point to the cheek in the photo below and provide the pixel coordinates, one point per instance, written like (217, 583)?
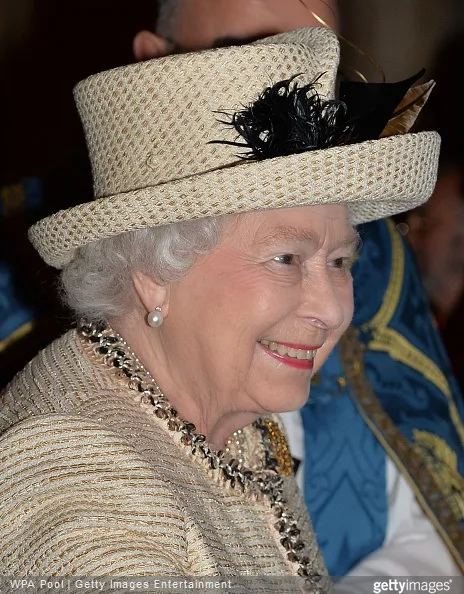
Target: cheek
(345, 299)
(343, 288)
(256, 294)
(347, 303)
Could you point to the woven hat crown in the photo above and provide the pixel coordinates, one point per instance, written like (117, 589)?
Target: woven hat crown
(151, 123)
(152, 130)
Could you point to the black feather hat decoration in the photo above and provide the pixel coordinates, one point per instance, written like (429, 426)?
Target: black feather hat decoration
(287, 119)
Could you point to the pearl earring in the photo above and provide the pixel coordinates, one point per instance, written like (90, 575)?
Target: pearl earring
(155, 318)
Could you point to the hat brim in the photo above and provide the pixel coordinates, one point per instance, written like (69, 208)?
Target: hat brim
(376, 179)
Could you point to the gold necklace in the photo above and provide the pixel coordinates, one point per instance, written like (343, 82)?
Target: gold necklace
(269, 485)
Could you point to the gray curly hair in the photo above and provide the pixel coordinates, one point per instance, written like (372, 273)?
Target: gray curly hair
(97, 284)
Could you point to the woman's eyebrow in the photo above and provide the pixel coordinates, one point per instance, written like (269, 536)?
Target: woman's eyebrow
(352, 239)
(285, 232)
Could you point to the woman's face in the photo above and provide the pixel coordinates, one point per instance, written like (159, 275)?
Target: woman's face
(253, 320)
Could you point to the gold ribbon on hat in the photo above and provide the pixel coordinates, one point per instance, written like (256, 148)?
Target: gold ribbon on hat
(349, 43)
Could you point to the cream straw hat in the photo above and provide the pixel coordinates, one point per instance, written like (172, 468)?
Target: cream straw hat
(149, 128)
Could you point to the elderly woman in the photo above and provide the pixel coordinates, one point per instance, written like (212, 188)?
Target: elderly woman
(210, 287)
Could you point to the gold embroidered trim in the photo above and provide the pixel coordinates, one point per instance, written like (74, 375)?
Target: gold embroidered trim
(387, 340)
(402, 350)
(392, 342)
(401, 451)
(443, 462)
(18, 334)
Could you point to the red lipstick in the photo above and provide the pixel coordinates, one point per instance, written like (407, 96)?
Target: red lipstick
(305, 364)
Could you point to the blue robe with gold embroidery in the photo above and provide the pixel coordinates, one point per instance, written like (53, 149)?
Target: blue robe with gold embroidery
(397, 398)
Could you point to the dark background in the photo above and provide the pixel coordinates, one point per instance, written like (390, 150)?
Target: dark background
(62, 42)
(46, 47)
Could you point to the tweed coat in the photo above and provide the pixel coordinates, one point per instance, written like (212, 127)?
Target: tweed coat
(93, 483)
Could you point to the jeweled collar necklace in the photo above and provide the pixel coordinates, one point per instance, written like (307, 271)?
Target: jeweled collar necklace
(266, 484)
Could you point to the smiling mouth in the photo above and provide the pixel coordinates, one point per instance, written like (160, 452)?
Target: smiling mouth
(290, 351)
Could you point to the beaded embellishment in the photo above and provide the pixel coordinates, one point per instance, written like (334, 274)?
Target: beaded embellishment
(117, 353)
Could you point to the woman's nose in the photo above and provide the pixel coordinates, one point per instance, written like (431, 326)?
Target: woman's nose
(326, 303)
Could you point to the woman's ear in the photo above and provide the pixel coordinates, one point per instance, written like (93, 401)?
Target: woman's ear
(146, 45)
(150, 293)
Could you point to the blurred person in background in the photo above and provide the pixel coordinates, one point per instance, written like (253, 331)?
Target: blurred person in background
(380, 441)
(436, 232)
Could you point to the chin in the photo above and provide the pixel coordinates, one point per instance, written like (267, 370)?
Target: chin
(287, 399)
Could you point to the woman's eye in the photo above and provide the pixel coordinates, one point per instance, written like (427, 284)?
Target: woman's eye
(288, 259)
(343, 263)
